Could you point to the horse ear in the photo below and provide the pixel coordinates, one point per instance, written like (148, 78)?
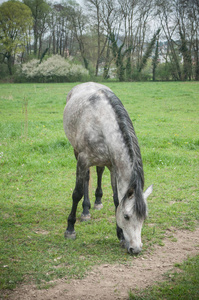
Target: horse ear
(148, 191)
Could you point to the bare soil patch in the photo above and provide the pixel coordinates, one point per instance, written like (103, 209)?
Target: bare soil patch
(111, 282)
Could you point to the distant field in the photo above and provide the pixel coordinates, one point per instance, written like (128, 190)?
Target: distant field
(38, 176)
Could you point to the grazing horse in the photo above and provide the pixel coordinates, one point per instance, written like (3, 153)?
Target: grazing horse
(102, 134)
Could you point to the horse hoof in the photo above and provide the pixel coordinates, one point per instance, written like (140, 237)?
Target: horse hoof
(70, 235)
(98, 206)
(85, 218)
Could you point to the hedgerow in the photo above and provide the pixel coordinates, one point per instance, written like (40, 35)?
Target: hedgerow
(54, 69)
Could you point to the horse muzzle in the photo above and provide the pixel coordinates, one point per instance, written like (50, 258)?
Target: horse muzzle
(134, 250)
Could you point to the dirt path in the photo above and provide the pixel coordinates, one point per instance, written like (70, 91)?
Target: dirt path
(111, 282)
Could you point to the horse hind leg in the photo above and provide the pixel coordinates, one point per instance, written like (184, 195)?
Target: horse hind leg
(98, 193)
(77, 195)
(86, 202)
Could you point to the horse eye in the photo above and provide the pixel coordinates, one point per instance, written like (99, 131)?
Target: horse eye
(130, 193)
(126, 217)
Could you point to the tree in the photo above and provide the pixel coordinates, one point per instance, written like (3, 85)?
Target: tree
(155, 60)
(180, 24)
(186, 54)
(185, 36)
(40, 11)
(148, 51)
(59, 25)
(187, 18)
(111, 20)
(96, 4)
(119, 56)
(193, 13)
(15, 21)
(103, 13)
(135, 18)
(79, 23)
(166, 14)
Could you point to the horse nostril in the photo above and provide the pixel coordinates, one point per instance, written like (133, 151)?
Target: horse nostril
(131, 250)
(134, 250)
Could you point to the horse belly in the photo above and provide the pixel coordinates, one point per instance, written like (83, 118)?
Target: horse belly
(92, 142)
(90, 138)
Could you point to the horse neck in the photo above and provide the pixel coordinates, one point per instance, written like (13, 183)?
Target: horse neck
(128, 173)
(123, 172)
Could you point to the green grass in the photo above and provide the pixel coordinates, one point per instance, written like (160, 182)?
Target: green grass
(38, 176)
(182, 284)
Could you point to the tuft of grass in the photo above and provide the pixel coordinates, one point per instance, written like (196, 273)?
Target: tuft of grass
(182, 284)
(38, 169)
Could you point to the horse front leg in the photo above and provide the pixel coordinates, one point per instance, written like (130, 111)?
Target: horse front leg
(77, 195)
(98, 193)
(119, 231)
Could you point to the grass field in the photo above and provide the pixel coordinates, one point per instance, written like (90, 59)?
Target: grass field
(38, 176)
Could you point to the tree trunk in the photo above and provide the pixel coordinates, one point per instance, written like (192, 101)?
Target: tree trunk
(35, 44)
(155, 61)
(197, 60)
(10, 62)
(54, 42)
(107, 63)
(40, 46)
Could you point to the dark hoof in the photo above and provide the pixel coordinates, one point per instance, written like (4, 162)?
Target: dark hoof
(70, 235)
(98, 206)
(85, 218)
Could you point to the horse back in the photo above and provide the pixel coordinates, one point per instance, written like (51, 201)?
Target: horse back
(90, 122)
(96, 123)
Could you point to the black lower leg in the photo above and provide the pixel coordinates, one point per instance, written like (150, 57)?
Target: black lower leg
(119, 231)
(98, 192)
(86, 202)
(70, 231)
(77, 195)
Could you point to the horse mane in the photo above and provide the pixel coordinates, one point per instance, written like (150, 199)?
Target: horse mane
(137, 177)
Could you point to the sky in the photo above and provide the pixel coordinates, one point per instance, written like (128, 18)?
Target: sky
(79, 1)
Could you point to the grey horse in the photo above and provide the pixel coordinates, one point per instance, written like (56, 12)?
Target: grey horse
(102, 134)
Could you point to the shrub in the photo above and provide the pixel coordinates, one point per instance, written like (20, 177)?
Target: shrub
(54, 69)
(30, 69)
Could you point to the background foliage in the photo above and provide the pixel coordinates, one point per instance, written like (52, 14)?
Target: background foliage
(107, 34)
(54, 69)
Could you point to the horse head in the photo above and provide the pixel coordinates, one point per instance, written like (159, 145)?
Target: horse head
(131, 221)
